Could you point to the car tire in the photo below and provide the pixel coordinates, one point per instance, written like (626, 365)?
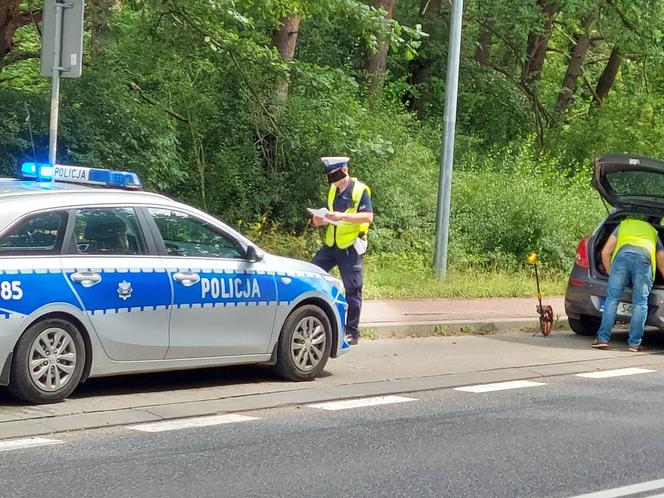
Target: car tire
(584, 325)
(48, 362)
(304, 344)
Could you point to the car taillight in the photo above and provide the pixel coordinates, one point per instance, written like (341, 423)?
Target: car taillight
(582, 253)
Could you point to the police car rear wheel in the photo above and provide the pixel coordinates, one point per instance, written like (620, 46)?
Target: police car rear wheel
(48, 362)
(304, 344)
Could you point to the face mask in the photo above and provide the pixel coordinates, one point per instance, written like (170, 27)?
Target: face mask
(335, 176)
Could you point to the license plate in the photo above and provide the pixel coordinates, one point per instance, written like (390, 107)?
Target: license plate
(625, 309)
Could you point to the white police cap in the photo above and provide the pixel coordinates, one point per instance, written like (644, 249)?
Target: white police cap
(332, 163)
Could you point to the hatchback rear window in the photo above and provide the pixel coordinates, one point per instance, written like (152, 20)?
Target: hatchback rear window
(637, 183)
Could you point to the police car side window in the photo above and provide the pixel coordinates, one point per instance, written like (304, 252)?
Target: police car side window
(40, 234)
(185, 235)
(108, 231)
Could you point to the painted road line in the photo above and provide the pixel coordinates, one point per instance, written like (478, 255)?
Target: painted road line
(189, 423)
(499, 386)
(642, 487)
(32, 442)
(614, 373)
(360, 403)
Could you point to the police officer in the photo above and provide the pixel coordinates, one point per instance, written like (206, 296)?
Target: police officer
(348, 220)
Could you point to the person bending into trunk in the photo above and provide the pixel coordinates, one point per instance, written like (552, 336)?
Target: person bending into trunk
(633, 252)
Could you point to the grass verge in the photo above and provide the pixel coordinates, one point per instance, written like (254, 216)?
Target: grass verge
(390, 280)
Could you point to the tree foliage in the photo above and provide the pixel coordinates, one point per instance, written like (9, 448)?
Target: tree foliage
(228, 104)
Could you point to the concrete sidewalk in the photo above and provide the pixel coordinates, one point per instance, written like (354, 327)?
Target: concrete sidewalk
(431, 316)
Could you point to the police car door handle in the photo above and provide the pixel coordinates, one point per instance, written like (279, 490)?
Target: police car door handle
(86, 278)
(187, 278)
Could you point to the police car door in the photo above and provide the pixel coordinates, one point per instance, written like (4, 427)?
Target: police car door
(125, 290)
(223, 305)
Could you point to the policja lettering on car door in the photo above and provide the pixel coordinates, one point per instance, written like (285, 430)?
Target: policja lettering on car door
(224, 309)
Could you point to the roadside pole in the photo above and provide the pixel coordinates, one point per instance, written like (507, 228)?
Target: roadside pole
(61, 55)
(447, 156)
(55, 84)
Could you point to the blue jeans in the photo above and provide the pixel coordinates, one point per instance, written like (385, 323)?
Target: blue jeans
(628, 265)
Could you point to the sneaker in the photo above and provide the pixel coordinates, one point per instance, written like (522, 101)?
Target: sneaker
(597, 344)
(636, 349)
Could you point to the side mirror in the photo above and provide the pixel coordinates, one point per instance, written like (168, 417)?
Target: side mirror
(254, 254)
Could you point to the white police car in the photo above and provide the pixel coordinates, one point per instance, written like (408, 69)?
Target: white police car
(99, 281)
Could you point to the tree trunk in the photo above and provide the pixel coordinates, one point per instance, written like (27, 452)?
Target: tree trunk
(11, 19)
(100, 11)
(376, 63)
(483, 50)
(608, 76)
(420, 68)
(575, 66)
(538, 42)
(429, 7)
(285, 41)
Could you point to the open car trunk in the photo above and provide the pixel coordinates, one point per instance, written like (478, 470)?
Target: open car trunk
(602, 235)
(632, 185)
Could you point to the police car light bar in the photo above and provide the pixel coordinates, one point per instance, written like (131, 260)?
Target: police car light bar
(34, 171)
(81, 174)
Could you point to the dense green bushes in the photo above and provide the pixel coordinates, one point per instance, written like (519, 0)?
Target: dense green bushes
(189, 104)
(503, 206)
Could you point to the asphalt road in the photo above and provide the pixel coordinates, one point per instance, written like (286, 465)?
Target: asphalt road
(566, 437)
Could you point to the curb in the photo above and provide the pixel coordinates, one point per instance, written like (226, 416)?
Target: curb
(382, 330)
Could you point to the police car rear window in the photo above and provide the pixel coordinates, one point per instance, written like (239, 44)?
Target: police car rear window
(108, 231)
(39, 234)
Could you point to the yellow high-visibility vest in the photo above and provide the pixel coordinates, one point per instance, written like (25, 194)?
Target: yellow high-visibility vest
(344, 234)
(637, 233)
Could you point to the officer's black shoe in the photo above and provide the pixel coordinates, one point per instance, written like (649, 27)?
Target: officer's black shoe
(352, 340)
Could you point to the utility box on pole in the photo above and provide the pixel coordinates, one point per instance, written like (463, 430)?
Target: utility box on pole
(70, 61)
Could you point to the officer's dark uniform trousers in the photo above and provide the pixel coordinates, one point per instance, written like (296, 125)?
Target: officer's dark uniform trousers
(350, 266)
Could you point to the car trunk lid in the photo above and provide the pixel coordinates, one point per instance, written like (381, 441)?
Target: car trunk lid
(628, 181)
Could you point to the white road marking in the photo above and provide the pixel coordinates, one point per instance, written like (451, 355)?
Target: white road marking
(31, 442)
(499, 386)
(188, 423)
(626, 490)
(614, 373)
(359, 403)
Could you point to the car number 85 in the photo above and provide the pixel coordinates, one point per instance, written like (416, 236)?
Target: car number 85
(11, 290)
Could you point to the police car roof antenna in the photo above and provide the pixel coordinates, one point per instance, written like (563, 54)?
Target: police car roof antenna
(545, 312)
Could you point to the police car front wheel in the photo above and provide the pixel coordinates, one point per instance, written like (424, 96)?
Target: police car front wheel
(48, 362)
(304, 344)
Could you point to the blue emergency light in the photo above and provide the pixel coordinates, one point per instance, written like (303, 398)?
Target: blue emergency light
(36, 171)
(81, 174)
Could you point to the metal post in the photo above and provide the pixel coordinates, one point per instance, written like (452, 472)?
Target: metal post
(55, 84)
(445, 183)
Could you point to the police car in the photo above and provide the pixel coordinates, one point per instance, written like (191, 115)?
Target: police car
(103, 281)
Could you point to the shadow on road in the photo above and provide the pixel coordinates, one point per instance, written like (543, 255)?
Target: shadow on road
(167, 381)
(653, 340)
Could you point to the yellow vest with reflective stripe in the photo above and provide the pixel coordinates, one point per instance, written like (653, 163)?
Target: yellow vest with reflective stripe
(344, 234)
(637, 233)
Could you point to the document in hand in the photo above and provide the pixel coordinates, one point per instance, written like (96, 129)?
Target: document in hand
(321, 213)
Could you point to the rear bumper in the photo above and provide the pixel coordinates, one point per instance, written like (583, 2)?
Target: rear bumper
(585, 295)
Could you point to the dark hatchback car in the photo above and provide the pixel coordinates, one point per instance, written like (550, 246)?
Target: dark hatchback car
(631, 185)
